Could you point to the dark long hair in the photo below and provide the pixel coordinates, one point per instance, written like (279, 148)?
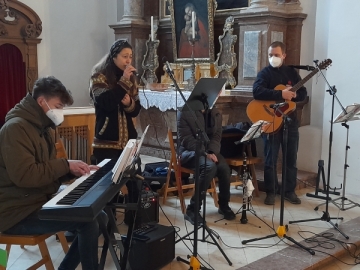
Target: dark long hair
(107, 66)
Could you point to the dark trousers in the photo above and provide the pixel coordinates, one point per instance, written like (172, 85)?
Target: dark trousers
(208, 170)
(272, 143)
(83, 249)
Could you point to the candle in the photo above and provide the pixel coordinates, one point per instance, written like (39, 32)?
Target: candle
(152, 28)
(193, 24)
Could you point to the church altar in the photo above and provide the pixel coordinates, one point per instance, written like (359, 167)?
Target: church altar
(158, 111)
(164, 101)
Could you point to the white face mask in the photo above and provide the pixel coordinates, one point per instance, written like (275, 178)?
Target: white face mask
(275, 61)
(55, 115)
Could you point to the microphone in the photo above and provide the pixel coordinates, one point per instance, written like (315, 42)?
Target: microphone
(307, 67)
(278, 105)
(168, 67)
(135, 73)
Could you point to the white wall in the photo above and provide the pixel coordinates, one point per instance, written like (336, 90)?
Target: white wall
(343, 48)
(310, 136)
(336, 37)
(75, 36)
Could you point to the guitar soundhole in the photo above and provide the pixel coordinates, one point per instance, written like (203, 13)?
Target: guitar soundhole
(282, 109)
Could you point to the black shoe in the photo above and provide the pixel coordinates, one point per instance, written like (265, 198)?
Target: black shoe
(190, 216)
(226, 212)
(292, 197)
(270, 199)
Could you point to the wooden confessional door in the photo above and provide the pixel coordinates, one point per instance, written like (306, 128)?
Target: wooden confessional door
(12, 78)
(20, 28)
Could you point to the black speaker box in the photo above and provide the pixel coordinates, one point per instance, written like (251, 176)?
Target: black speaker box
(149, 211)
(154, 253)
(149, 206)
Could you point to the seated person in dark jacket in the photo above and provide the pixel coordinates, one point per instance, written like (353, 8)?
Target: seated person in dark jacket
(30, 173)
(212, 163)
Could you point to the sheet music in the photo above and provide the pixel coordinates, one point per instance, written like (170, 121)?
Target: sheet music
(130, 152)
(358, 113)
(141, 141)
(352, 113)
(255, 130)
(123, 160)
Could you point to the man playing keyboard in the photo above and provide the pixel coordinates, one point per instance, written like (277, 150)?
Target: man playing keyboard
(30, 172)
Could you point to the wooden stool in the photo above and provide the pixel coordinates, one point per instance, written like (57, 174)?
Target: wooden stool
(175, 165)
(32, 240)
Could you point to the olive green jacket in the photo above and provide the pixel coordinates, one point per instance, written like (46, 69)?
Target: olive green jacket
(29, 170)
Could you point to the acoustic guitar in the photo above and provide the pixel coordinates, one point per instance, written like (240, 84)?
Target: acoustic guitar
(262, 109)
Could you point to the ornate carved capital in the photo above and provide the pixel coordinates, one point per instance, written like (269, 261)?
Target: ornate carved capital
(38, 26)
(9, 16)
(3, 4)
(32, 30)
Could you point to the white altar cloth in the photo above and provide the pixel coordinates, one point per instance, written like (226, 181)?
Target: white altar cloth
(167, 100)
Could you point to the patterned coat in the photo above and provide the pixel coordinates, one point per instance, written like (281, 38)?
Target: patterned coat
(114, 125)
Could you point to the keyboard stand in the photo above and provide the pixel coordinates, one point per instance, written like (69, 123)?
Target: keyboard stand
(112, 237)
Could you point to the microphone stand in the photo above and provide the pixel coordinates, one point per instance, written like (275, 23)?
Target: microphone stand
(350, 204)
(281, 231)
(110, 230)
(246, 176)
(246, 206)
(326, 216)
(201, 137)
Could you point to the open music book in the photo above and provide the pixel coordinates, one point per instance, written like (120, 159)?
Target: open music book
(352, 113)
(256, 130)
(128, 155)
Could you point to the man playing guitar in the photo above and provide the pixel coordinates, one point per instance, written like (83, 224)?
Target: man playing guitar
(266, 87)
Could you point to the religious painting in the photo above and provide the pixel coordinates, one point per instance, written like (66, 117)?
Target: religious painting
(192, 42)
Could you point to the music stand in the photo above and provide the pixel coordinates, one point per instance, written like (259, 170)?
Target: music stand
(352, 114)
(125, 169)
(254, 132)
(326, 215)
(206, 91)
(129, 154)
(203, 97)
(281, 231)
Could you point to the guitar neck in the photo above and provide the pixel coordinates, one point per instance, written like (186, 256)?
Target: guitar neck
(304, 80)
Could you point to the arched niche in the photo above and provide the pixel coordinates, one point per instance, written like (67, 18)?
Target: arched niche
(21, 27)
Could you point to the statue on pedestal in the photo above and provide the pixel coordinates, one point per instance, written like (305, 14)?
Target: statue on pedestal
(226, 58)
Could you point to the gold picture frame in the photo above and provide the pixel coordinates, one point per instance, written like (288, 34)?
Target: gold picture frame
(164, 9)
(181, 29)
(181, 72)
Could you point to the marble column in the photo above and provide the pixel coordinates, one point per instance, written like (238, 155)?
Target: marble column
(133, 12)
